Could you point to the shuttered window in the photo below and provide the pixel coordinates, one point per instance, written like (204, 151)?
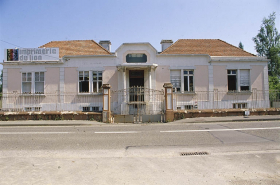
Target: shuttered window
(244, 80)
(175, 79)
(39, 82)
(26, 82)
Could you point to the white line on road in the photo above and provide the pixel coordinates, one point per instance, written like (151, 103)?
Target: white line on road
(221, 130)
(10, 133)
(124, 132)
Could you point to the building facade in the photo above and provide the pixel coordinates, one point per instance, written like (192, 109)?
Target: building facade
(205, 74)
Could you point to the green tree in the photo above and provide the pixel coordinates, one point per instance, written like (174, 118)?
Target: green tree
(267, 37)
(241, 46)
(268, 45)
(274, 64)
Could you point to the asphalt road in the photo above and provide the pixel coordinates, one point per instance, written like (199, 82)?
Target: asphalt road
(236, 153)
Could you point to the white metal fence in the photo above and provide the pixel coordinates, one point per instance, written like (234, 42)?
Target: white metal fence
(226, 100)
(51, 102)
(128, 101)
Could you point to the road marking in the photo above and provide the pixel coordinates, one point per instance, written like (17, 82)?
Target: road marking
(18, 133)
(221, 130)
(124, 132)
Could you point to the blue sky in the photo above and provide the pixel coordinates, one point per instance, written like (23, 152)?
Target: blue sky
(32, 23)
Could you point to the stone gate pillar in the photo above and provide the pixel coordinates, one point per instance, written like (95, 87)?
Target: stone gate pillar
(106, 114)
(169, 114)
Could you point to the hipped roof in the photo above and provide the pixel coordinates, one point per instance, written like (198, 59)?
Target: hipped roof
(212, 47)
(77, 47)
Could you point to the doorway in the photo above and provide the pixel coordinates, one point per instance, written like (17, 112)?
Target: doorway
(136, 92)
(136, 78)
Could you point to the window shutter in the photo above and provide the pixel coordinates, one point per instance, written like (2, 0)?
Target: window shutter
(39, 87)
(175, 78)
(244, 77)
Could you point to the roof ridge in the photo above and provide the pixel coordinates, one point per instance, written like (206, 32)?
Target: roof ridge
(236, 47)
(101, 47)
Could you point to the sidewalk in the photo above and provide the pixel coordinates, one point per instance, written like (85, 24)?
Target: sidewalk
(229, 119)
(187, 120)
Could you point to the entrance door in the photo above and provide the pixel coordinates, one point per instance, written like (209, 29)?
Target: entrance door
(136, 92)
(136, 78)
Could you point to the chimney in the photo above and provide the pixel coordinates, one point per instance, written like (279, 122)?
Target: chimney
(106, 44)
(165, 44)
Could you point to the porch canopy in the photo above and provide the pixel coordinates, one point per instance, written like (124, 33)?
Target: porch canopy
(126, 67)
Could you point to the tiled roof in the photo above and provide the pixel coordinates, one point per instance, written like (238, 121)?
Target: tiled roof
(212, 47)
(77, 47)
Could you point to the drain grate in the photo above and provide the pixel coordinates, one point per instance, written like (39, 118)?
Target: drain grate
(193, 153)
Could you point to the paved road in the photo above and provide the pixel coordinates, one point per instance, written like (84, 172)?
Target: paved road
(238, 153)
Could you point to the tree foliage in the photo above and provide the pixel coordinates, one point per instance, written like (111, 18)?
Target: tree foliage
(268, 45)
(241, 46)
(274, 63)
(267, 37)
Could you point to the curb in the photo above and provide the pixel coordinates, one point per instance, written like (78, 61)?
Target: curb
(16, 125)
(91, 124)
(234, 120)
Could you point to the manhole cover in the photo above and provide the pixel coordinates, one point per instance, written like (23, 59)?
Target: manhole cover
(193, 153)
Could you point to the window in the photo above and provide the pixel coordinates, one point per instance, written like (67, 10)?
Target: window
(238, 80)
(33, 82)
(86, 109)
(240, 105)
(232, 80)
(244, 80)
(37, 109)
(189, 107)
(26, 83)
(175, 79)
(97, 81)
(28, 109)
(188, 80)
(39, 82)
(136, 58)
(90, 109)
(83, 81)
(90, 81)
(95, 109)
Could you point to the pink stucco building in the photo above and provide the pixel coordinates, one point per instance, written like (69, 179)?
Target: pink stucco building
(68, 76)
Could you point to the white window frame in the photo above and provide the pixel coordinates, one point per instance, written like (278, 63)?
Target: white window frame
(188, 75)
(39, 81)
(182, 80)
(26, 81)
(83, 80)
(33, 82)
(243, 80)
(176, 79)
(238, 79)
(98, 89)
(91, 81)
(230, 72)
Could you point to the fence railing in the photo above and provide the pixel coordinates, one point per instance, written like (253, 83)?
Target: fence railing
(149, 101)
(51, 102)
(226, 100)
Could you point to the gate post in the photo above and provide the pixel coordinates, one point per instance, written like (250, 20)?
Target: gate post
(106, 114)
(169, 114)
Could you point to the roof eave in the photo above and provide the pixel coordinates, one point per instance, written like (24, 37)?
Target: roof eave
(85, 56)
(238, 59)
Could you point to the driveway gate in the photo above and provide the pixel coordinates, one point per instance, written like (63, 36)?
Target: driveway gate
(137, 104)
